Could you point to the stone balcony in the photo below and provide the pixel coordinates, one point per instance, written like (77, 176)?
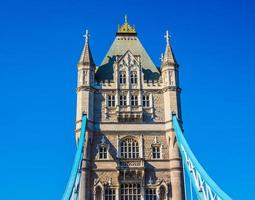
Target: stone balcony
(131, 170)
(129, 113)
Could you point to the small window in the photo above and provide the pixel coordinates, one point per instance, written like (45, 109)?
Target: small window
(134, 100)
(84, 78)
(146, 101)
(123, 100)
(122, 78)
(111, 100)
(150, 194)
(156, 152)
(133, 78)
(102, 152)
(109, 194)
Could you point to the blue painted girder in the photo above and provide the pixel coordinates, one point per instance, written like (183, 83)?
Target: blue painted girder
(188, 157)
(75, 173)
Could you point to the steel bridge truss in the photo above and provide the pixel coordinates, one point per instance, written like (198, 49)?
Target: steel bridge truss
(205, 187)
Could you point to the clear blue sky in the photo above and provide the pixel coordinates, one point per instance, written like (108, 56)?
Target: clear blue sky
(41, 42)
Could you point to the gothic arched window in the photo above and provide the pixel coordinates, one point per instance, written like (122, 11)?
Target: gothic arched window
(162, 192)
(129, 148)
(122, 78)
(133, 78)
(98, 193)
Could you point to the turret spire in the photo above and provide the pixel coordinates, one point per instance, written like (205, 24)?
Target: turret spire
(168, 58)
(86, 56)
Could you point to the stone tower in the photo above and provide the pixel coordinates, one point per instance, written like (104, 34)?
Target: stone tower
(130, 151)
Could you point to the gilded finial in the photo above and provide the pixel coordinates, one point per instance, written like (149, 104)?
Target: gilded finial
(167, 36)
(126, 28)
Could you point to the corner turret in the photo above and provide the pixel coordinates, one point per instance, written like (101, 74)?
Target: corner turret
(169, 66)
(86, 65)
(85, 84)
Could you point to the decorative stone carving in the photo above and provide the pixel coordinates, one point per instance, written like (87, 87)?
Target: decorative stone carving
(107, 178)
(163, 176)
(130, 163)
(158, 106)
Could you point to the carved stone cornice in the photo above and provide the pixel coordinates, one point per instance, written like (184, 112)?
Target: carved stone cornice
(85, 88)
(171, 88)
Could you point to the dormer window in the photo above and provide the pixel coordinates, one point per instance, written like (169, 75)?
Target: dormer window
(110, 100)
(102, 152)
(156, 152)
(122, 78)
(146, 101)
(134, 100)
(133, 78)
(103, 149)
(123, 100)
(156, 148)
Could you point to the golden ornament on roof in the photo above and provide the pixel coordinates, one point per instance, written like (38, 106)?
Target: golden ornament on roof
(126, 28)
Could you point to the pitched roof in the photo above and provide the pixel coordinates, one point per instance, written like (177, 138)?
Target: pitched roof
(120, 45)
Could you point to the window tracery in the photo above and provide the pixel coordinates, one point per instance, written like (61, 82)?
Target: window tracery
(129, 148)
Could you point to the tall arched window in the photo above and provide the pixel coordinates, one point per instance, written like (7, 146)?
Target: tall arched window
(162, 192)
(133, 78)
(122, 77)
(98, 193)
(129, 148)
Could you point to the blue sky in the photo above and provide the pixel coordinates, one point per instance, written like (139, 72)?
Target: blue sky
(41, 42)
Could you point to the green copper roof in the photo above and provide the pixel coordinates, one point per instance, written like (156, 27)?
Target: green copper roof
(120, 46)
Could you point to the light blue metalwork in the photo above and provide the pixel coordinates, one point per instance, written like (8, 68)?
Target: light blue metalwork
(204, 186)
(72, 187)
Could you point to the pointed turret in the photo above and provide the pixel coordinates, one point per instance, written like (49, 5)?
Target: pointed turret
(169, 66)
(86, 65)
(85, 83)
(86, 56)
(168, 58)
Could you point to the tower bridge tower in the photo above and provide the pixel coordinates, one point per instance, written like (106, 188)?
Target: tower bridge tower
(130, 150)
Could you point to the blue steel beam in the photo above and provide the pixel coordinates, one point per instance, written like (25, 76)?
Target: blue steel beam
(75, 173)
(204, 186)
